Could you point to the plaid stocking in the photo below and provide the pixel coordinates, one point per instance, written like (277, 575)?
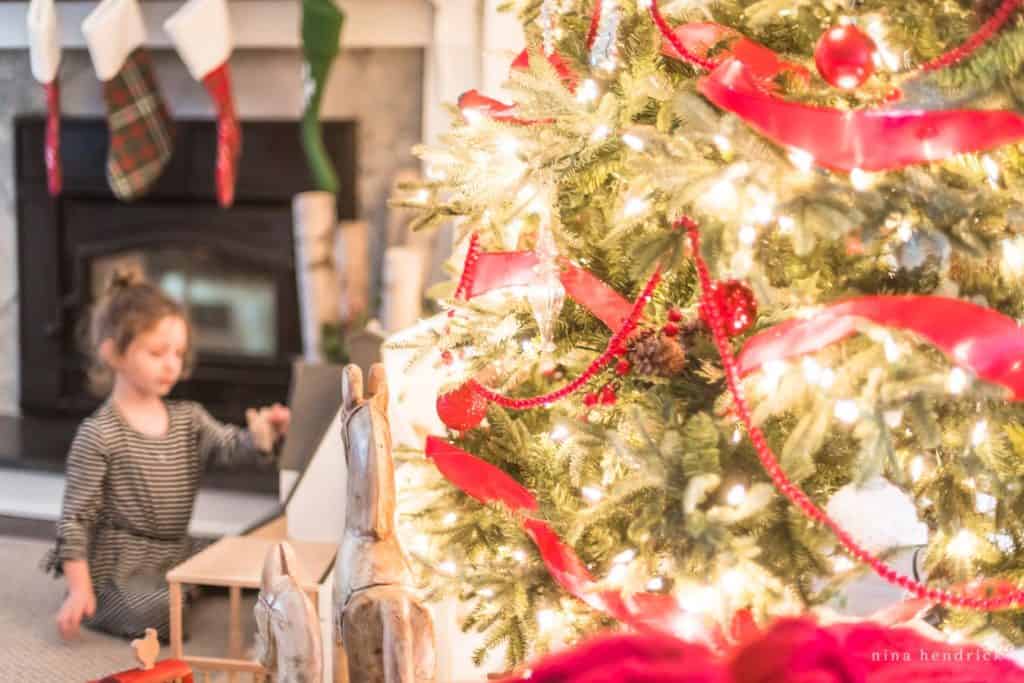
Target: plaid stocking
(141, 131)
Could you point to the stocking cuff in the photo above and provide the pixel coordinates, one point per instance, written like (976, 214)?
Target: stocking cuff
(201, 31)
(113, 31)
(43, 40)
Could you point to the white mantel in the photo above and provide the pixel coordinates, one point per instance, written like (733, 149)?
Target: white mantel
(271, 24)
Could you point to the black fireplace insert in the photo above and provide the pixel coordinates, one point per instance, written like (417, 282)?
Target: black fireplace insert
(232, 268)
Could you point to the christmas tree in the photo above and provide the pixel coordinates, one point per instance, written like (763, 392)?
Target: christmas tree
(729, 271)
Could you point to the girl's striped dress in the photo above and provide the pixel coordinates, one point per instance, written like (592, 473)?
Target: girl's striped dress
(128, 500)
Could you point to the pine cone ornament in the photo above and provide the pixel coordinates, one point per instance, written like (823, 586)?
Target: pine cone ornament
(652, 353)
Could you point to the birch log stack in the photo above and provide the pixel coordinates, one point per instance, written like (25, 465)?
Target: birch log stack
(403, 287)
(352, 260)
(315, 223)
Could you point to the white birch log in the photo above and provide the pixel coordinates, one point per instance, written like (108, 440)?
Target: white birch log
(403, 287)
(314, 216)
(352, 259)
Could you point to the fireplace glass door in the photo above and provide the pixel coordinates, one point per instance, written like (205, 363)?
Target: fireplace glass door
(232, 306)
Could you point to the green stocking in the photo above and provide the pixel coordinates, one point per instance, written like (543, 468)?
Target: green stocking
(321, 34)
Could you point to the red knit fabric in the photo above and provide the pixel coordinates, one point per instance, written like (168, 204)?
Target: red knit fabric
(791, 651)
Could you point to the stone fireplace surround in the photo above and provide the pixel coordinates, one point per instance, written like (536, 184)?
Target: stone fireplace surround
(377, 86)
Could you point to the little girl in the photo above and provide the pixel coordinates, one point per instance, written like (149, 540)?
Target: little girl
(134, 466)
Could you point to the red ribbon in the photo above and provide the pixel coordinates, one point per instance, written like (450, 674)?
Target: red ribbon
(488, 484)
(495, 109)
(868, 139)
(699, 37)
(988, 343)
(518, 268)
(569, 77)
(478, 478)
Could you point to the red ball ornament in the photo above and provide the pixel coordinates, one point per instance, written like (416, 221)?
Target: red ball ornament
(608, 395)
(675, 315)
(622, 368)
(462, 409)
(737, 304)
(590, 400)
(670, 329)
(845, 56)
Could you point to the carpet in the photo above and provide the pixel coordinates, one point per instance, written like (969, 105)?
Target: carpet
(31, 650)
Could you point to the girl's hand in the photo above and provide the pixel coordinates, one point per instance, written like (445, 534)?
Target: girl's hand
(78, 605)
(280, 418)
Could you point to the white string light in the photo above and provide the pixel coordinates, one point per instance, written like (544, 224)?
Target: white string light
(842, 564)
(916, 468)
(736, 495)
(600, 133)
(748, 234)
(633, 142)
(957, 381)
(861, 180)
(802, 159)
(846, 411)
(635, 206)
(559, 434)
(734, 582)
(979, 433)
(588, 91)
(963, 544)
(991, 170)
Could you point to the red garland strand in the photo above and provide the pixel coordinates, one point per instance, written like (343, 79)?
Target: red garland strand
(713, 313)
(976, 40)
(964, 50)
(614, 348)
(673, 39)
(469, 269)
(595, 20)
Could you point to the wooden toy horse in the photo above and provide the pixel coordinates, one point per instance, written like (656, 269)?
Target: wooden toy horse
(288, 642)
(382, 632)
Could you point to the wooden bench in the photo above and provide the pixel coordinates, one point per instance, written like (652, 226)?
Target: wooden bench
(236, 562)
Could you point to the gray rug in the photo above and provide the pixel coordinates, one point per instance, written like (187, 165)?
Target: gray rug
(31, 649)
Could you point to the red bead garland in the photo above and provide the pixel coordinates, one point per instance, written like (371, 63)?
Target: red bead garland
(469, 270)
(967, 48)
(673, 39)
(710, 306)
(737, 304)
(977, 39)
(613, 349)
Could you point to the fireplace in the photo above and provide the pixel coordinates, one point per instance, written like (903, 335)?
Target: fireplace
(233, 269)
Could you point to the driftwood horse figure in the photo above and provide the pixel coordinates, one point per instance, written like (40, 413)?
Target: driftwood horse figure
(288, 642)
(383, 632)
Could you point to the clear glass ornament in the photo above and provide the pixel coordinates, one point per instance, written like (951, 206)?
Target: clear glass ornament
(547, 296)
(548, 10)
(605, 51)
